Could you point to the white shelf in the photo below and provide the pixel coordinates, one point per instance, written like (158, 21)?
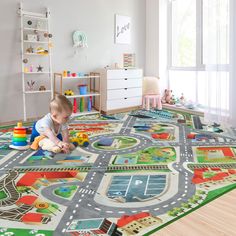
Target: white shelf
(36, 54)
(84, 113)
(41, 30)
(94, 88)
(40, 22)
(38, 17)
(84, 95)
(36, 72)
(38, 42)
(42, 91)
(81, 77)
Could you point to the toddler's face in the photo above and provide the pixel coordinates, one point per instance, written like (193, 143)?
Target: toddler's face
(62, 117)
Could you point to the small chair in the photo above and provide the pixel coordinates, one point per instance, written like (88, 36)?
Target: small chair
(151, 93)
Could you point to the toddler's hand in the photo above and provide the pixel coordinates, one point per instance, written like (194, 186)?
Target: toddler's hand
(65, 147)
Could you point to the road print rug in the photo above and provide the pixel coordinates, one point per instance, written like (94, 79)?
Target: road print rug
(141, 171)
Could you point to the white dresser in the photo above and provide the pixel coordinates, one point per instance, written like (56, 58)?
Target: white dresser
(121, 89)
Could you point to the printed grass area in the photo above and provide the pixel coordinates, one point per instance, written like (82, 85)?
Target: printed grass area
(118, 143)
(65, 191)
(152, 155)
(3, 195)
(25, 232)
(215, 154)
(218, 192)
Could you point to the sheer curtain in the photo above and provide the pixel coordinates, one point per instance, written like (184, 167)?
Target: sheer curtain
(218, 82)
(232, 65)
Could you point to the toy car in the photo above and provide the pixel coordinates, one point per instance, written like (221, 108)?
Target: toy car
(68, 92)
(80, 139)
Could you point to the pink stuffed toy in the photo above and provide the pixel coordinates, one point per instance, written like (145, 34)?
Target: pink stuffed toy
(167, 98)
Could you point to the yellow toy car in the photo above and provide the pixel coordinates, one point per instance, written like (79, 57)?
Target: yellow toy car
(80, 139)
(68, 92)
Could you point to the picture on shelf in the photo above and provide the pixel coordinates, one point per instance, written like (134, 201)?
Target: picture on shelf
(32, 37)
(122, 29)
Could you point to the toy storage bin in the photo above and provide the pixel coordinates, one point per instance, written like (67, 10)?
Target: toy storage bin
(82, 89)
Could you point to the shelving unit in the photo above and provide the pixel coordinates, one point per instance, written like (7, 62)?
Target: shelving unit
(35, 38)
(93, 89)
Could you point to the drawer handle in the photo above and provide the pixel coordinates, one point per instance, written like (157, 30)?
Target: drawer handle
(125, 98)
(125, 88)
(125, 78)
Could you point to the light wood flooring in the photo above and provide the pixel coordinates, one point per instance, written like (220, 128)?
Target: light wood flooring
(217, 218)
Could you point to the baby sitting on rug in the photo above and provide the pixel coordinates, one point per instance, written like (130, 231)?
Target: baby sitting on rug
(51, 132)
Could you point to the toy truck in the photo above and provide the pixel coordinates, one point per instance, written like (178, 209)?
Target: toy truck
(80, 139)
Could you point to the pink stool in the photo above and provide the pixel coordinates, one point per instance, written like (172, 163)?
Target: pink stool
(153, 100)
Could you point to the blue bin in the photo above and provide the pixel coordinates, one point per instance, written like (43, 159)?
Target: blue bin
(82, 89)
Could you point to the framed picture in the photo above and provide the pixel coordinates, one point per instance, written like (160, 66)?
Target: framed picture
(31, 37)
(122, 29)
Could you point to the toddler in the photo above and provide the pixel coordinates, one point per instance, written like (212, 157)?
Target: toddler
(54, 125)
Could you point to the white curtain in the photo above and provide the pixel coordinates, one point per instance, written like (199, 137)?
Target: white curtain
(219, 76)
(232, 65)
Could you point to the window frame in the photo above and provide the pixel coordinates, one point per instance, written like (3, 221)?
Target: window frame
(200, 66)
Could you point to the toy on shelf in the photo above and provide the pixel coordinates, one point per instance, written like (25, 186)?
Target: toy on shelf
(90, 103)
(168, 97)
(42, 88)
(41, 51)
(25, 61)
(128, 61)
(74, 105)
(31, 68)
(182, 99)
(31, 85)
(19, 140)
(68, 92)
(80, 139)
(81, 105)
(39, 68)
(47, 35)
(82, 89)
(30, 49)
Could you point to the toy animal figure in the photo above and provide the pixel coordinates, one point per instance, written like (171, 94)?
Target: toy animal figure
(46, 144)
(168, 97)
(182, 99)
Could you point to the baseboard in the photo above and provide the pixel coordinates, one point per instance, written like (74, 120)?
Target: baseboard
(14, 122)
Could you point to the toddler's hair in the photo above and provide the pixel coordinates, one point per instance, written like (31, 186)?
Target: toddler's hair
(60, 103)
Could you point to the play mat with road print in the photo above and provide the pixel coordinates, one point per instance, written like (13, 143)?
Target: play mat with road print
(141, 171)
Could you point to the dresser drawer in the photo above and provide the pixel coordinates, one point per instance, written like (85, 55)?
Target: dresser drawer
(124, 83)
(124, 93)
(123, 103)
(129, 73)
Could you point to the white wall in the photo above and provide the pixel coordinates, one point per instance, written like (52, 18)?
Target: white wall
(95, 17)
(152, 38)
(156, 41)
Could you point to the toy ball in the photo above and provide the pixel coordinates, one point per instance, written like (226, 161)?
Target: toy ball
(49, 35)
(29, 22)
(25, 60)
(45, 35)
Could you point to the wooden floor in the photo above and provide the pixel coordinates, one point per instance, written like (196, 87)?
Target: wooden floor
(217, 218)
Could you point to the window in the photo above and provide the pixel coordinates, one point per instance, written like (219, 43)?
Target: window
(183, 31)
(197, 44)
